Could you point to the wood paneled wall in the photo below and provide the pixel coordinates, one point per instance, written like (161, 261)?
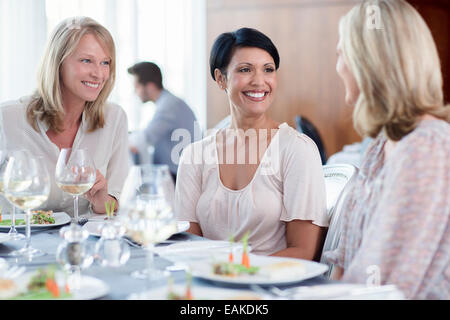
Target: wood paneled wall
(306, 34)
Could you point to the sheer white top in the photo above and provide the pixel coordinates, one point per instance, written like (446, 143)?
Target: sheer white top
(107, 146)
(287, 185)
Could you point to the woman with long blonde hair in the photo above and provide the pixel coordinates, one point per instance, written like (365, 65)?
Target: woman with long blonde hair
(70, 110)
(396, 230)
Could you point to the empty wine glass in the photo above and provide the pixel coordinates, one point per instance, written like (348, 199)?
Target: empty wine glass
(75, 174)
(27, 186)
(13, 234)
(146, 214)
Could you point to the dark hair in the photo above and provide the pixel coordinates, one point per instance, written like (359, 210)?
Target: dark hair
(224, 46)
(147, 72)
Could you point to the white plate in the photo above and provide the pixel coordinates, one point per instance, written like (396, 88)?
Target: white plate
(94, 227)
(90, 287)
(198, 249)
(198, 293)
(61, 218)
(305, 270)
(4, 237)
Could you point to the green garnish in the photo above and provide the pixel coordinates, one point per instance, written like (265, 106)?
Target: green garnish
(233, 269)
(109, 207)
(8, 222)
(41, 295)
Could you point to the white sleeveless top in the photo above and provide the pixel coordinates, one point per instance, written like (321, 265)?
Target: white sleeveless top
(288, 185)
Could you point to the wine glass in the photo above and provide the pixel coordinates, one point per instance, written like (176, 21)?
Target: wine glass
(75, 174)
(166, 183)
(13, 234)
(27, 186)
(146, 214)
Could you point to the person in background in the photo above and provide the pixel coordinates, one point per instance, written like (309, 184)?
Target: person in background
(70, 110)
(396, 222)
(171, 113)
(257, 176)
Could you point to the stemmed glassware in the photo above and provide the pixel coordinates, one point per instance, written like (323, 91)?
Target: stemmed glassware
(146, 214)
(75, 174)
(13, 234)
(27, 186)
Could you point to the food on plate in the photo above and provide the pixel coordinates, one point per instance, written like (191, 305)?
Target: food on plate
(279, 270)
(8, 289)
(109, 207)
(43, 285)
(37, 217)
(42, 217)
(245, 258)
(172, 295)
(232, 269)
(283, 269)
(7, 222)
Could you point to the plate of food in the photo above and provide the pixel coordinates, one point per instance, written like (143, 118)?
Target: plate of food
(179, 292)
(39, 219)
(50, 284)
(187, 291)
(255, 269)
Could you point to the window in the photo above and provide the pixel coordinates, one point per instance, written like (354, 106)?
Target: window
(171, 33)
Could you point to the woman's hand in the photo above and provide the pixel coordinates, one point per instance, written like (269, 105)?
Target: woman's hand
(98, 194)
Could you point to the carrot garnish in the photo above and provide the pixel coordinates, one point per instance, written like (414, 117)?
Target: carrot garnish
(52, 287)
(188, 286)
(245, 258)
(230, 255)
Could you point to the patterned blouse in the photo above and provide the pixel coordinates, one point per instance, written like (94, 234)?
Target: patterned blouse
(396, 222)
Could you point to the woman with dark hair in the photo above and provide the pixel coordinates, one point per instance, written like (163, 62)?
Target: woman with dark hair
(257, 176)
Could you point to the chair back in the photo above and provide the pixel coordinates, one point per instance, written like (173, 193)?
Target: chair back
(306, 127)
(338, 180)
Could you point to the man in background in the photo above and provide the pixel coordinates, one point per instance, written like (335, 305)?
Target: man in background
(171, 113)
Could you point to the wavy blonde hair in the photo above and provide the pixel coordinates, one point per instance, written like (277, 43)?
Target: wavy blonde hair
(46, 104)
(396, 67)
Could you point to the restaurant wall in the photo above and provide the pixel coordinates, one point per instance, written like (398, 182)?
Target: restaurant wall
(306, 34)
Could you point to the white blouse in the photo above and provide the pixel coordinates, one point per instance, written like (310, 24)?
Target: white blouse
(287, 185)
(107, 146)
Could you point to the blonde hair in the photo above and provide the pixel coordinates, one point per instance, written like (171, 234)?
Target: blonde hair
(396, 67)
(46, 104)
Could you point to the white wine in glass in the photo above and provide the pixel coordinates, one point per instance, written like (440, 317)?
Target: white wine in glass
(75, 174)
(146, 214)
(75, 189)
(13, 233)
(27, 187)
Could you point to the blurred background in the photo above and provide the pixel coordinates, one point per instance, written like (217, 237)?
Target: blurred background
(178, 34)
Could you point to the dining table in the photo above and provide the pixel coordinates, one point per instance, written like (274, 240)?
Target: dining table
(121, 285)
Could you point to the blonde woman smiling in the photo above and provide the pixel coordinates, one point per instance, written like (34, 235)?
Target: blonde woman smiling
(282, 206)
(69, 110)
(396, 226)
